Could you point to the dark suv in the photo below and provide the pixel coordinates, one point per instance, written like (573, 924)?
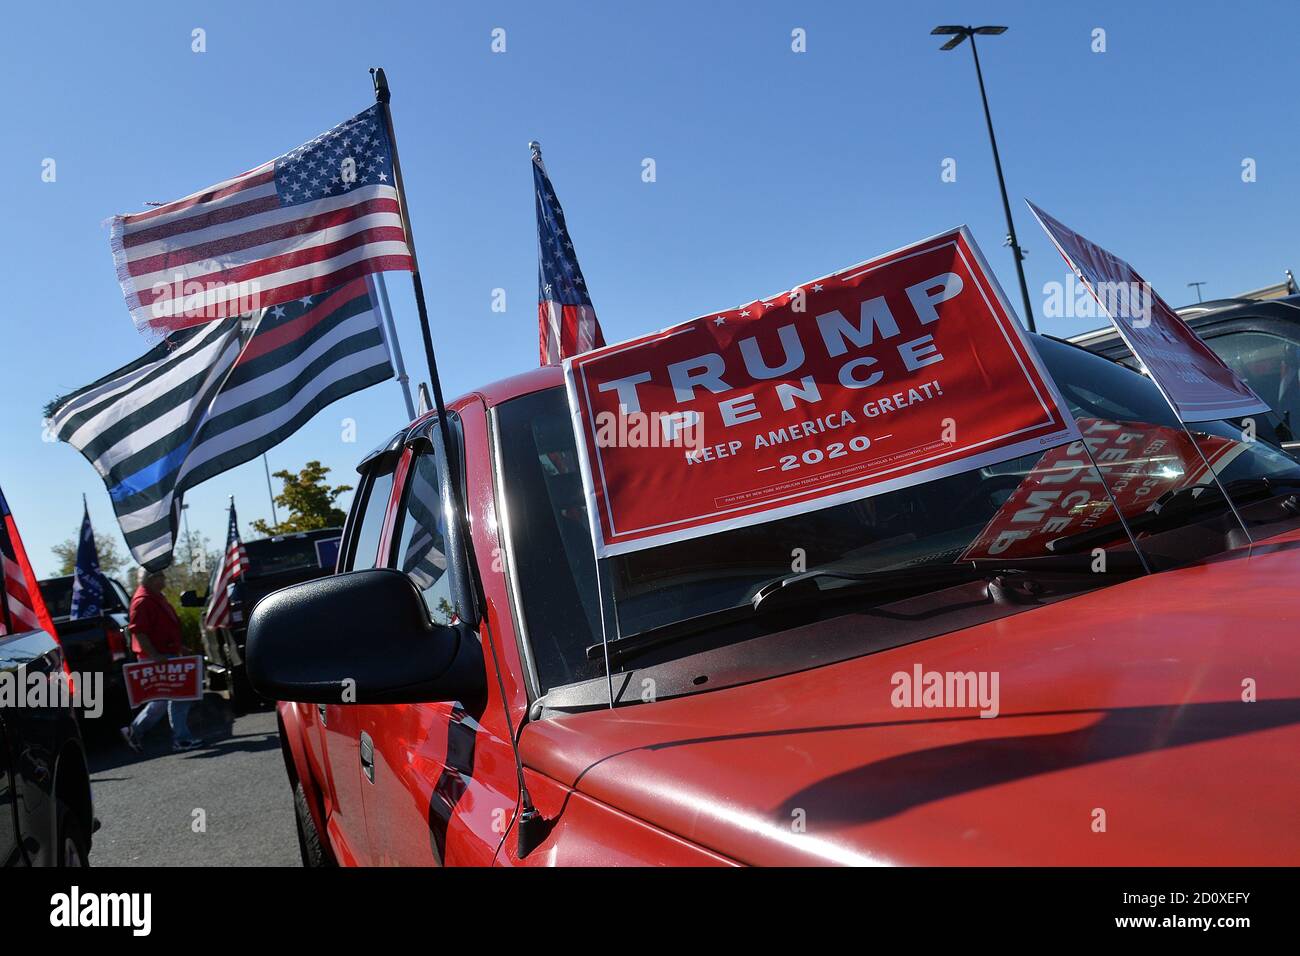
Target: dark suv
(1259, 340)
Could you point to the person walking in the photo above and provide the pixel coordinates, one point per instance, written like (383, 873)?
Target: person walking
(156, 635)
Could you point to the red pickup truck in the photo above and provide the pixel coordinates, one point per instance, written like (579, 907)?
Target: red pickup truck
(883, 681)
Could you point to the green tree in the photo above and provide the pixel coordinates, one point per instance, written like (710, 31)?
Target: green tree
(309, 500)
(193, 559)
(112, 562)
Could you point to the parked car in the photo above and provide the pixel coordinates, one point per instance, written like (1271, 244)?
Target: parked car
(1259, 340)
(735, 727)
(99, 644)
(46, 814)
(273, 563)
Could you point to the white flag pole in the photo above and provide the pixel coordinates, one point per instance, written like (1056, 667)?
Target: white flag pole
(379, 295)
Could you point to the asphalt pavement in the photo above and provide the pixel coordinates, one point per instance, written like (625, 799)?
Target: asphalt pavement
(226, 804)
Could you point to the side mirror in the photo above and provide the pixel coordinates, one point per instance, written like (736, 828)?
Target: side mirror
(191, 599)
(370, 628)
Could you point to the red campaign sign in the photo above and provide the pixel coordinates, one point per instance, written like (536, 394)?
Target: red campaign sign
(1064, 496)
(1196, 382)
(890, 373)
(177, 678)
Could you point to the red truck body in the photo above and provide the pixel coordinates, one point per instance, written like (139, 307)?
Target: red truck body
(1126, 736)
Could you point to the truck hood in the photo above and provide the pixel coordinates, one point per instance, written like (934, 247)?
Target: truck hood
(1125, 735)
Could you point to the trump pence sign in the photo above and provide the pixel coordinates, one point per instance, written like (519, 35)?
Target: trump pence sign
(177, 678)
(1198, 385)
(893, 372)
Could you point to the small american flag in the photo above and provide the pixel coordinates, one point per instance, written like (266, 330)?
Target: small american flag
(233, 565)
(567, 322)
(296, 226)
(22, 608)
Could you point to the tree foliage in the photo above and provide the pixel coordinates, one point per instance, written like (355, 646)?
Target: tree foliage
(112, 562)
(309, 500)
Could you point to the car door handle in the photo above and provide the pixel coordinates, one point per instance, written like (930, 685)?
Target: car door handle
(367, 749)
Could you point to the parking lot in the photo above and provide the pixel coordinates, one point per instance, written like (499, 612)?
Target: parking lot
(226, 804)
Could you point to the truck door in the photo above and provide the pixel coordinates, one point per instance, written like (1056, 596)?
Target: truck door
(337, 723)
(440, 788)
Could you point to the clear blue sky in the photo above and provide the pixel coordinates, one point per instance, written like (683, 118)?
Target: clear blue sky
(772, 167)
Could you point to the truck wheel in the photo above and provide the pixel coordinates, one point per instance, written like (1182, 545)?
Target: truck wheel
(314, 853)
(73, 850)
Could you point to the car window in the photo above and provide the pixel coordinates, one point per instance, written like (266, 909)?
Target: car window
(421, 549)
(365, 552)
(1270, 364)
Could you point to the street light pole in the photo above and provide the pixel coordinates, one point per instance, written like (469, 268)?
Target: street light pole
(960, 33)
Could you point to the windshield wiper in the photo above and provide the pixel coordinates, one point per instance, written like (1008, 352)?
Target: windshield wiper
(1173, 508)
(1009, 580)
(1003, 575)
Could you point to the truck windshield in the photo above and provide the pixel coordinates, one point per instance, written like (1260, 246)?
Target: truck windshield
(1050, 508)
(57, 593)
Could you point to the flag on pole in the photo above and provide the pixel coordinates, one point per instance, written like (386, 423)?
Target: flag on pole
(233, 565)
(296, 226)
(22, 608)
(215, 396)
(87, 581)
(566, 319)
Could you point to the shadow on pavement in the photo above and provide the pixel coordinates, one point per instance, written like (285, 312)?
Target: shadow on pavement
(211, 720)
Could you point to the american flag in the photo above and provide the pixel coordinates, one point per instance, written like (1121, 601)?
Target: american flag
(302, 223)
(21, 606)
(233, 565)
(566, 320)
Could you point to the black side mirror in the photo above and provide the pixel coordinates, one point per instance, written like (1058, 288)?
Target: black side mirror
(191, 599)
(363, 637)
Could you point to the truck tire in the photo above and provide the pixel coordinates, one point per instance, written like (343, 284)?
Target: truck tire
(314, 852)
(73, 850)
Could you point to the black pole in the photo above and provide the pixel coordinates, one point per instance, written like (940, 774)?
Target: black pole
(382, 96)
(530, 826)
(270, 492)
(1002, 185)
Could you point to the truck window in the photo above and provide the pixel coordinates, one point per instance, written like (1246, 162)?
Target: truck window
(365, 552)
(1270, 364)
(422, 553)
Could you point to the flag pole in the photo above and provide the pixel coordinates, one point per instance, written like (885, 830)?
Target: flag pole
(382, 96)
(275, 518)
(379, 295)
(530, 827)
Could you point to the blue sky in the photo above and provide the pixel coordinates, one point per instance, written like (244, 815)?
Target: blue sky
(772, 167)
